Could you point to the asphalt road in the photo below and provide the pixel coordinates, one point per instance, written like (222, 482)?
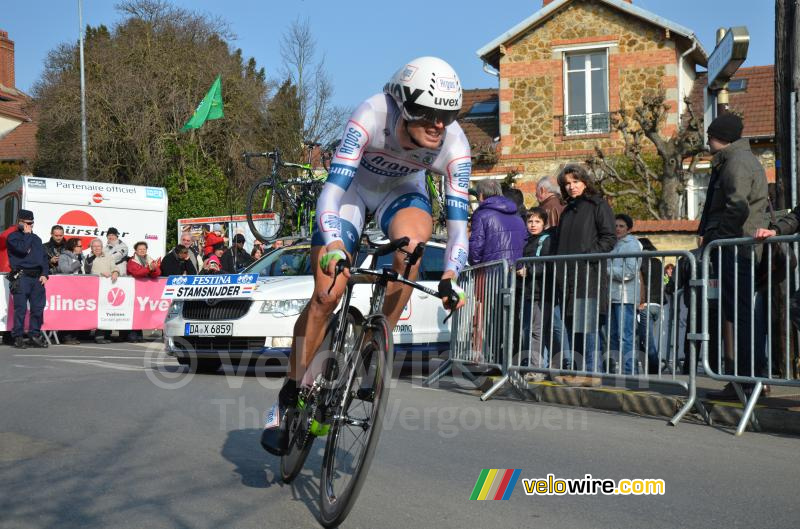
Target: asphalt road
(97, 436)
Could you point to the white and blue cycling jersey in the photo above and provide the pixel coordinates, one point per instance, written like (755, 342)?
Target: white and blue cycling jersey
(371, 171)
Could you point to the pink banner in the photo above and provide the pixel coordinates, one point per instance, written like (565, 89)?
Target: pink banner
(73, 303)
(149, 310)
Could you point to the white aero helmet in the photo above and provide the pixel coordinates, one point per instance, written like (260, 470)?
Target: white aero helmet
(426, 88)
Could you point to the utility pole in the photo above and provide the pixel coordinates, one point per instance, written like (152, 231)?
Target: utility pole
(84, 140)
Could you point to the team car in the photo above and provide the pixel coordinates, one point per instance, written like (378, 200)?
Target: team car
(208, 332)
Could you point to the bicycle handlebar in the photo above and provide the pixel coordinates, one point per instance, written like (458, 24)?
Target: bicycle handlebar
(392, 275)
(391, 246)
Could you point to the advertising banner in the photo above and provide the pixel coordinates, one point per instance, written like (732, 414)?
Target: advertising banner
(228, 286)
(80, 302)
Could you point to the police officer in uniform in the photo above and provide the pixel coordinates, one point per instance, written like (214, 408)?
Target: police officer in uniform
(28, 261)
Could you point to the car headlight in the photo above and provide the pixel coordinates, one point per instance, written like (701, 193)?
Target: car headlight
(175, 309)
(283, 307)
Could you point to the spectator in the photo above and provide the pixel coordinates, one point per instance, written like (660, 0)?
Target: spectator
(141, 265)
(651, 299)
(736, 204)
(213, 265)
(625, 279)
(116, 250)
(4, 266)
(530, 287)
(668, 271)
(257, 253)
(31, 267)
(211, 238)
(178, 263)
(54, 247)
(99, 263)
(515, 196)
(498, 232)
(71, 260)
(235, 259)
(586, 226)
(190, 242)
(549, 196)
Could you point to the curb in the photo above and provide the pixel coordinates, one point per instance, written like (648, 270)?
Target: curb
(651, 404)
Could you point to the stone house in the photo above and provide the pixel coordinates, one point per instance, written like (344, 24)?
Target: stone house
(563, 71)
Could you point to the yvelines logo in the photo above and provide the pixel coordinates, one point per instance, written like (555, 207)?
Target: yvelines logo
(116, 297)
(83, 225)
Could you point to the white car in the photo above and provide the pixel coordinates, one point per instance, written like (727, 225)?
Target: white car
(244, 329)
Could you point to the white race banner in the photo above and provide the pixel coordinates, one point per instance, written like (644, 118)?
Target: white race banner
(116, 303)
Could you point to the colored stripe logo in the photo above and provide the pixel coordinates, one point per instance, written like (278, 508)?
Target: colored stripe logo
(495, 484)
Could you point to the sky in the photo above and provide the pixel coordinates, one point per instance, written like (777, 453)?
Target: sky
(364, 42)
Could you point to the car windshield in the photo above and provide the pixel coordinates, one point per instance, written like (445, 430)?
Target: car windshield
(290, 261)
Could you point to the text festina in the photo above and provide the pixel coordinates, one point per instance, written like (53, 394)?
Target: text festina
(210, 286)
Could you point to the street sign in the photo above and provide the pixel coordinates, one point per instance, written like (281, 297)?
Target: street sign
(729, 54)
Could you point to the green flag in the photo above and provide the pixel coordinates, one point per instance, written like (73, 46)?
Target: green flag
(209, 108)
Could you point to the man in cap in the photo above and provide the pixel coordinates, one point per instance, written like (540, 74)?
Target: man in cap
(30, 266)
(236, 258)
(117, 249)
(736, 206)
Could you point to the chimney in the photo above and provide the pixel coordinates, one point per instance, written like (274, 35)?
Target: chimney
(6, 60)
(551, 1)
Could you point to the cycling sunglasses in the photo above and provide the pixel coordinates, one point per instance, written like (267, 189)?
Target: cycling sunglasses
(415, 112)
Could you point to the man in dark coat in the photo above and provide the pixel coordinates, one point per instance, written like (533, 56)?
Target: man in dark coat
(235, 258)
(736, 206)
(498, 232)
(54, 247)
(178, 263)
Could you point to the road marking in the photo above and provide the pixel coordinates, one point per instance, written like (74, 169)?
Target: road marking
(97, 363)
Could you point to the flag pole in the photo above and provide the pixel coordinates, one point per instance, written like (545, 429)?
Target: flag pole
(84, 140)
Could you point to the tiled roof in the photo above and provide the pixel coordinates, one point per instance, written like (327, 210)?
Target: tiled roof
(20, 143)
(490, 52)
(481, 131)
(756, 103)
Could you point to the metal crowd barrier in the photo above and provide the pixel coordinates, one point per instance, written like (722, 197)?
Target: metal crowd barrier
(579, 315)
(748, 337)
(480, 329)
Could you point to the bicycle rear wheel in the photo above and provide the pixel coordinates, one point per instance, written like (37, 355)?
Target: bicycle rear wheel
(356, 423)
(266, 211)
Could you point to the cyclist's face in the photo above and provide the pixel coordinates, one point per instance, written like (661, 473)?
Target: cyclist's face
(426, 133)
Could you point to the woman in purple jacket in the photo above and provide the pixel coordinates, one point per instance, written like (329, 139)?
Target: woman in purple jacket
(498, 232)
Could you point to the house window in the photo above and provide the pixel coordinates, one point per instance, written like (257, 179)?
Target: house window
(483, 109)
(737, 85)
(586, 93)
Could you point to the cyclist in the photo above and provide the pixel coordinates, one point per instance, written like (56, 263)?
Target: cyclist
(389, 142)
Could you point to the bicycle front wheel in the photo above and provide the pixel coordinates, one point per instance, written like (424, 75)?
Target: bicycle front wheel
(356, 423)
(266, 211)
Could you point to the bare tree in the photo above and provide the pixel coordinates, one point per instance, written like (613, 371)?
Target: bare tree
(322, 119)
(660, 192)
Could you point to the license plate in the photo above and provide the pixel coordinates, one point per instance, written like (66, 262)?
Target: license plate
(208, 329)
